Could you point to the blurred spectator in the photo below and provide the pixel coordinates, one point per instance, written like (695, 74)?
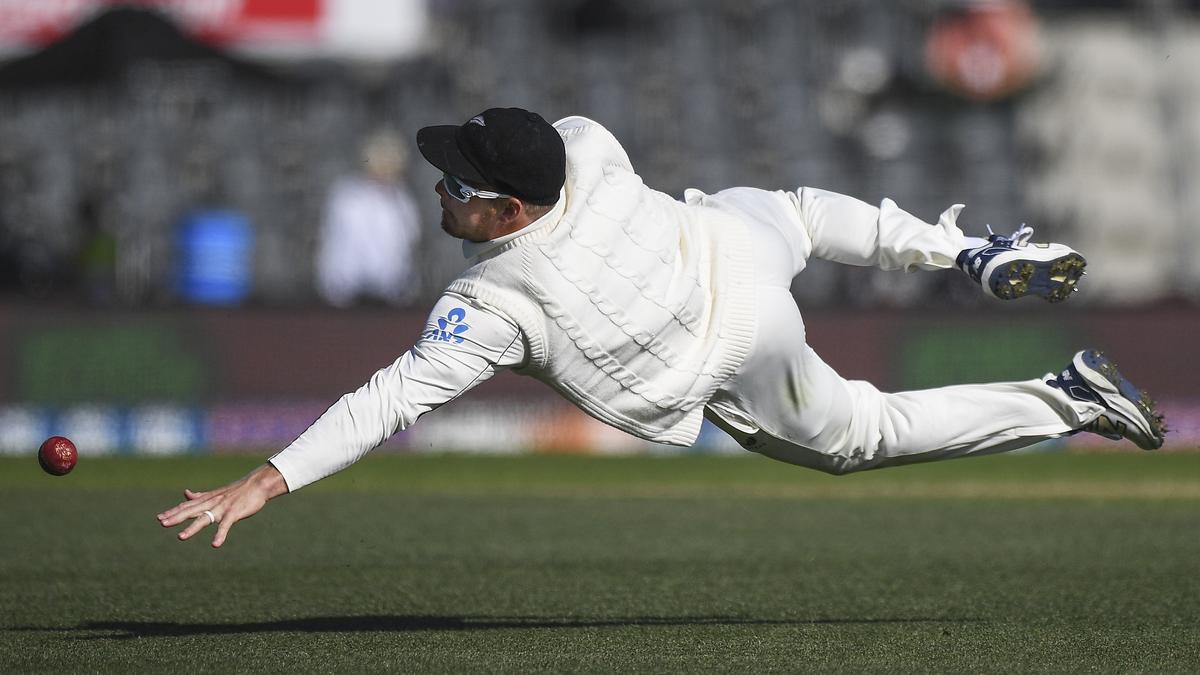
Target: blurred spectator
(370, 231)
(97, 254)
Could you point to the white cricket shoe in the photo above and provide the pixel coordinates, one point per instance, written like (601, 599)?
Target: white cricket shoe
(1011, 267)
(1129, 412)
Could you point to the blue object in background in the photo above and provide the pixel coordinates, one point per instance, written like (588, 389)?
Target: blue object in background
(215, 263)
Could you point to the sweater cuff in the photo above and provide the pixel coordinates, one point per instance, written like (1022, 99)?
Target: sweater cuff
(289, 470)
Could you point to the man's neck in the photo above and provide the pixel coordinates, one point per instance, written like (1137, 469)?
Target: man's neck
(473, 249)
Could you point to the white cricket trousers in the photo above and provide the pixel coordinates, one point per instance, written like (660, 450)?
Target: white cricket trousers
(787, 404)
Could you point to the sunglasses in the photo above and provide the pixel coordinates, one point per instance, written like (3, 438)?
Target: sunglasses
(463, 192)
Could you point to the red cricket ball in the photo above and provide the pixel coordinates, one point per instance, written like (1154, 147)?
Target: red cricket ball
(58, 456)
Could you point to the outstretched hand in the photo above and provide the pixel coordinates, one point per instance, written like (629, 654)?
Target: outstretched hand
(226, 505)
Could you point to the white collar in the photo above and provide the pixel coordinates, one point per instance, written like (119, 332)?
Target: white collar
(475, 249)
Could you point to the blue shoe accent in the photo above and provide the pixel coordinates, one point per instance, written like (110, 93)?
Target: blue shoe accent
(1011, 267)
(1129, 412)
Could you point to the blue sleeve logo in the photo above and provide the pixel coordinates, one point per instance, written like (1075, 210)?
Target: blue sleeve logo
(450, 327)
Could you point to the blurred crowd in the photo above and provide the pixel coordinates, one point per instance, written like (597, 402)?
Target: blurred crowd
(176, 173)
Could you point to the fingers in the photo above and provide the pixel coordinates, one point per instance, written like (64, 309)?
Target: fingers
(223, 523)
(199, 523)
(193, 506)
(174, 516)
(227, 505)
(201, 520)
(222, 532)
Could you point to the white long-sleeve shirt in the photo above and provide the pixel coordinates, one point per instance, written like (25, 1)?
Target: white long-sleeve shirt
(462, 345)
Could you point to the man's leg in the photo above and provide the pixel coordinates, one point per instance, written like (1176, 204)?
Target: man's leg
(831, 226)
(788, 404)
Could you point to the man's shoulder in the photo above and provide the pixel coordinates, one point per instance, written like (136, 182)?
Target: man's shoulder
(588, 140)
(492, 269)
(575, 124)
(575, 129)
(496, 285)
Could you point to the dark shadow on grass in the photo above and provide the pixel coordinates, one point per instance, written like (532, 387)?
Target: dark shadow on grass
(125, 630)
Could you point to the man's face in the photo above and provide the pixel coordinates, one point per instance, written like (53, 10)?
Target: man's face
(475, 220)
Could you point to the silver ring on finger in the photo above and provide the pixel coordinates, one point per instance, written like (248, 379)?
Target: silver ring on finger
(211, 518)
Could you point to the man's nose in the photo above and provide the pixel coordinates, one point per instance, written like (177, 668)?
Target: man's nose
(439, 188)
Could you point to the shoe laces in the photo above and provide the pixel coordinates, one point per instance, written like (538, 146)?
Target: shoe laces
(1017, 239)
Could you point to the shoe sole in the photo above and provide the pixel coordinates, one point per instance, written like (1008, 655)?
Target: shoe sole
(1054, 279)
(1123, 396)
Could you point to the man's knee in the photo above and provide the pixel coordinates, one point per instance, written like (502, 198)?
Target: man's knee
(835, 462)
(840, 465)
(839, 468)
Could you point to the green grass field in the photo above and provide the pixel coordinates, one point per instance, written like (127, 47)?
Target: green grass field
(1031, 563)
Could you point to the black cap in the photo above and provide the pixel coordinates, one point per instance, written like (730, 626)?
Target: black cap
(511, 150)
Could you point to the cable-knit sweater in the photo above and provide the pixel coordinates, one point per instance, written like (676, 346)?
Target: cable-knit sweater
(634, 306)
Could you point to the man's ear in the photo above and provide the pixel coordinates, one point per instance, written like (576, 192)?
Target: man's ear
(513, 211)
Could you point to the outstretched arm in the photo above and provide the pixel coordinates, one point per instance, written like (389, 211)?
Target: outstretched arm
(463, 345)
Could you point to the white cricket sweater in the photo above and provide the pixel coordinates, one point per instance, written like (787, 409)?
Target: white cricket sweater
(634, 306)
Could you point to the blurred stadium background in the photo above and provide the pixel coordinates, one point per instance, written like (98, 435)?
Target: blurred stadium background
(164, 166)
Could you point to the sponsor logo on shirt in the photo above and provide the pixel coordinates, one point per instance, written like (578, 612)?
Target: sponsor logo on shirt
(449, 328)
